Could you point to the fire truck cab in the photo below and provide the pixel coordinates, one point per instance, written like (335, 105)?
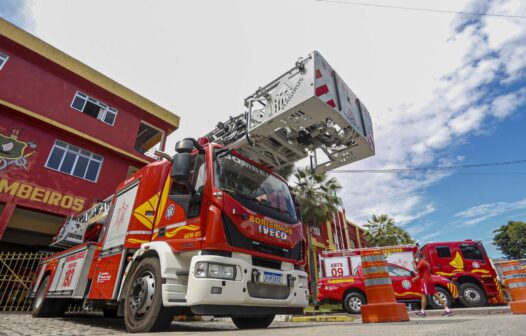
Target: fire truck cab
(467, 264)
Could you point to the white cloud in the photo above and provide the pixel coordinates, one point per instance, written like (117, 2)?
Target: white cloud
(480, 213)
(423, 76)
(503, 105)
(461, 103)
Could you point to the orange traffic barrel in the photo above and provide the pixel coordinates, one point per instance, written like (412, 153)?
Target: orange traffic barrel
(381, 303)
(515, 280)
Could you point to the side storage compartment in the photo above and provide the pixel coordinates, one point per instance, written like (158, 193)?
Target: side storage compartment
(71, 276)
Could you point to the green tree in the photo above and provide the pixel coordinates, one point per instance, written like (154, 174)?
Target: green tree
(382, 231)
(510, 239)
(316, 194)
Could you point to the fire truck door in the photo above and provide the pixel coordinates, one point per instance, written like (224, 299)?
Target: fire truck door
(110, 263)
(403, 287)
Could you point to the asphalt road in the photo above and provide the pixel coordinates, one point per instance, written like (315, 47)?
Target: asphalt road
(476, 325)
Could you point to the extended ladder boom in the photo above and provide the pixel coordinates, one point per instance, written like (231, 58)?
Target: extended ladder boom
(308, 109)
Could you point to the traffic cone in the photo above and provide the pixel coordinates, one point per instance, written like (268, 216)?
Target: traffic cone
(515, 280)
(381, 303)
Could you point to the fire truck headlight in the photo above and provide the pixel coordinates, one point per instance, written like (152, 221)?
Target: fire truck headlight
(221, 271)
(214, 271)
(217, 271)
(228, 272)
(201, 270)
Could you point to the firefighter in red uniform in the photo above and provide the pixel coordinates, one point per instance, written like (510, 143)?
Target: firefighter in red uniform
(427, 286)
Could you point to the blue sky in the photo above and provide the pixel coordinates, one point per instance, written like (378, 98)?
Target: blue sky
(442, 89)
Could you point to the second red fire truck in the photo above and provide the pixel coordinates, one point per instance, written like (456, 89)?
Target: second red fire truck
(460, 269)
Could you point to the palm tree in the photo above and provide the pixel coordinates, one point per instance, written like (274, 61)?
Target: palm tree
(316, 194)
(382, 231)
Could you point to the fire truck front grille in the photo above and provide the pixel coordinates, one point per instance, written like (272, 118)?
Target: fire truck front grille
(264, 291)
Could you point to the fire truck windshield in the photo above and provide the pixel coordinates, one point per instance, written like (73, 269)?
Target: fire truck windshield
(254, 188)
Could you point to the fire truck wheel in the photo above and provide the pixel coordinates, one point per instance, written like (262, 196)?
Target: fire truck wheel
(444, 294)
(472, 295)
(352, 302)
(44, 307)
(143, 305)
(253, 322)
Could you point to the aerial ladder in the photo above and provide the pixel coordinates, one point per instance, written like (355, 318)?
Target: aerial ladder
(308, 111)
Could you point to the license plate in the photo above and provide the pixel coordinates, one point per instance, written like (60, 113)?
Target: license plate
(273, 278)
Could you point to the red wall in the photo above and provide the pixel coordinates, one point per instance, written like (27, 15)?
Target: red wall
(41, 86)
(113, 171)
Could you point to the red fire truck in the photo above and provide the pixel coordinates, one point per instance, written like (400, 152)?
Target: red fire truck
(350, 290)
(342, 279)
(467, 264)
(464, 263)
(211, 230)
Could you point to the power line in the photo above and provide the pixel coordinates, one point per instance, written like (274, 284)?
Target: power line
(426, 173)
(441, 169)
(443, 11)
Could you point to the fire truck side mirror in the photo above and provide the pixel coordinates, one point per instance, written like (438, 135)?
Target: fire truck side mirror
(181, 166)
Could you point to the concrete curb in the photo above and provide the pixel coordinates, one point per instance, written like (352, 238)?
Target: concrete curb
(322, 318)
(469, 311)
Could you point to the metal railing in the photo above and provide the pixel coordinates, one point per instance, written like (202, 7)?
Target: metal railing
(17, 270)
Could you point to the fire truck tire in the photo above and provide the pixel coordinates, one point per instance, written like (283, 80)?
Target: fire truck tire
(472, 295)
(444, 294)
(143, 304)
(44, 307)
(261, 322)
(352, 302)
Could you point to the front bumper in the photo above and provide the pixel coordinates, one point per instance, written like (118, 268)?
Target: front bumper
(247, 294)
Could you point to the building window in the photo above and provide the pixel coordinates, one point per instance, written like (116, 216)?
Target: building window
(75, 161)
(3, 59)
(148, 139)
(94, 108)
(316, 230)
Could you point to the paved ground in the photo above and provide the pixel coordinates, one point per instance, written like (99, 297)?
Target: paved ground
(476, 325)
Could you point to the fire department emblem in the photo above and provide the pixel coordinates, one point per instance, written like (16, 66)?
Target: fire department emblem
(15, 152)
(475, 264)
(170, 211)
(406, 284)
